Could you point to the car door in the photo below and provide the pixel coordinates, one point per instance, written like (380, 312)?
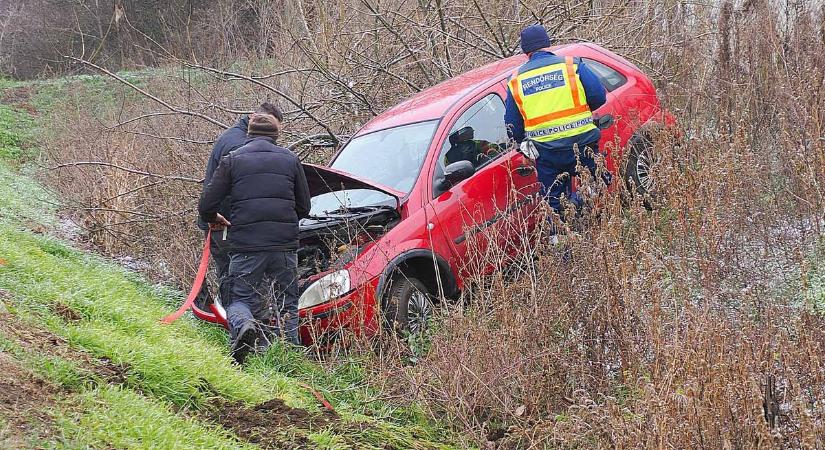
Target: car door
(470, 214)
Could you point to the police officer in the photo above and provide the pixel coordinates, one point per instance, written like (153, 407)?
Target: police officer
(550, 100)
(270, 194)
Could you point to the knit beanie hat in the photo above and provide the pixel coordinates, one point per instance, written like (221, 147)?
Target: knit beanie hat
(263, 125)
(534, 38)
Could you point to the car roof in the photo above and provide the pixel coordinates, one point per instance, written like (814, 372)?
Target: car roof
(434, 102)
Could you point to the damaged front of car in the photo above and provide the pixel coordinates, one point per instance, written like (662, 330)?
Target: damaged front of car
(348, 217)
(361, 216)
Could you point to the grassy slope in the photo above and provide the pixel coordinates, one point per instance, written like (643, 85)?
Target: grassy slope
(92, 417)
(180, 368)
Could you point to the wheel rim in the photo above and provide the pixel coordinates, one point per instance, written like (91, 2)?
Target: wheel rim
(419, 310)
(644, 171)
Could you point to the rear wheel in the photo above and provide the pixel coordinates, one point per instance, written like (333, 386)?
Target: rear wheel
(408, 306)
(640, 169)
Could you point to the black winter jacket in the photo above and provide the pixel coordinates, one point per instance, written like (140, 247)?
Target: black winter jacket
(269, 196)
(231, 139)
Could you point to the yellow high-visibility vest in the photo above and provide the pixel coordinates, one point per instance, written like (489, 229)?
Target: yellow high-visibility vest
(552, 101)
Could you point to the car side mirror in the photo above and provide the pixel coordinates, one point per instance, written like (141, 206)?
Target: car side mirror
(455, 173)
(604, 122)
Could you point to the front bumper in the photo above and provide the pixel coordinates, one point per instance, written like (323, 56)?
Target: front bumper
(354, 312)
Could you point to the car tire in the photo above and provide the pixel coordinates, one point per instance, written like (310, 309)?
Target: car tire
(638, 171)
(408, 306)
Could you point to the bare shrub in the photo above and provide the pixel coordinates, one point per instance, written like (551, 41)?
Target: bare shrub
(666, 328)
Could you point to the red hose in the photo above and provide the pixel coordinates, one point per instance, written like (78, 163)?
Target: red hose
(318, 397)
(196, 285)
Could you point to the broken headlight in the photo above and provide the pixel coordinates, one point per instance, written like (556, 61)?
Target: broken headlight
(330, 286)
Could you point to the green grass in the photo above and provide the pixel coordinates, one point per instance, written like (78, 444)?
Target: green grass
(114, 417)
(16, 128)
(57, 370)
(121, 322)
(22, 199)
(102, 415)
(64, 372)
(101, 94)
(8, 83)
(325, 440)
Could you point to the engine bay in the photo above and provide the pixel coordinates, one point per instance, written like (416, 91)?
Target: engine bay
(331, 241)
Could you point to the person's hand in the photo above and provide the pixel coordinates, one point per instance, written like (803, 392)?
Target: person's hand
(528, 149)
(220, 223)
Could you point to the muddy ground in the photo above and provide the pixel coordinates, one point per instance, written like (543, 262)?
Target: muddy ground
(25, 405)
(42, 342)
(264, 424)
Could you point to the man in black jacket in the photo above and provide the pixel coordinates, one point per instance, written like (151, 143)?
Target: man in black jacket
(231, 139)
(269, 195)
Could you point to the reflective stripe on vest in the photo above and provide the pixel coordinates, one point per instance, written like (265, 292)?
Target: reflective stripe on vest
(552, 102)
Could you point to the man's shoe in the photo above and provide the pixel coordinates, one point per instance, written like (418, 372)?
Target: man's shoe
(244, 343)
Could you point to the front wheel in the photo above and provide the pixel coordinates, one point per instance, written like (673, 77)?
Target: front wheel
(408, 306)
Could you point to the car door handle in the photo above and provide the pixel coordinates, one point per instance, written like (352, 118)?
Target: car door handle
(525, 171)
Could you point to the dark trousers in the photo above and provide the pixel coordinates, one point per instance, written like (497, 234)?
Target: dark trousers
(220, 258)
(249, 294)
(556, 169)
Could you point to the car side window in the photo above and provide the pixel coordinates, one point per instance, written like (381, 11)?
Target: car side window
(479, 135)
(610, 78)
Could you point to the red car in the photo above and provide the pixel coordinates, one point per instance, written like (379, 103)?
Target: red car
(402, 207)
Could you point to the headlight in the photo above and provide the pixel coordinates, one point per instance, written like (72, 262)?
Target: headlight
(327, 288)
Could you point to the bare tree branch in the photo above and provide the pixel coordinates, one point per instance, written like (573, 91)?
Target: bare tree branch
(126, 169)
(272, 89)
(147, 94)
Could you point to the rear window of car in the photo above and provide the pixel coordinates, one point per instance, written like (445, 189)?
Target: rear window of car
(610, 78)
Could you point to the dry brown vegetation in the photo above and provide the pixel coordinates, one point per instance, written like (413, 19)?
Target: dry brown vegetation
(664, 329)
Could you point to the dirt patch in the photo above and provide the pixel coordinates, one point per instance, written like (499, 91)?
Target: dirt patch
(264, 424)
(43, 342)
(66, 312)
(111, 372)
(24, 404)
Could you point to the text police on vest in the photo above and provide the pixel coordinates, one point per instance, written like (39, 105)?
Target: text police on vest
(542, 82)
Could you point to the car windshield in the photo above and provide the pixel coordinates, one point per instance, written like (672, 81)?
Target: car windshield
(391, 157)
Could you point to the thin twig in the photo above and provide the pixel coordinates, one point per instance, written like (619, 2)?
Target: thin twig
(148, 95)
(126, 169)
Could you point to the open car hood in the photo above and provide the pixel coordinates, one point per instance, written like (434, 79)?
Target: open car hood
(324, 179)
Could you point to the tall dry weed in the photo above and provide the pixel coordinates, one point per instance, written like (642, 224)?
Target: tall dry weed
(665, 328)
